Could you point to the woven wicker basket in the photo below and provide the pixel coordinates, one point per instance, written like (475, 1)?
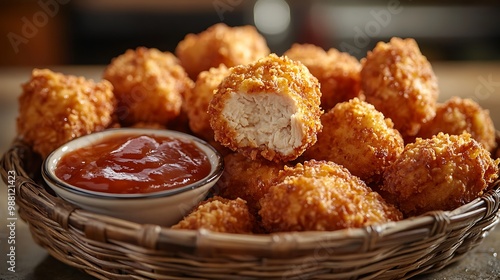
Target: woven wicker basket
(109, 248)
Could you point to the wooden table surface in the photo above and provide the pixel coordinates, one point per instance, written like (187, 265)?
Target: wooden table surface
(477, 80)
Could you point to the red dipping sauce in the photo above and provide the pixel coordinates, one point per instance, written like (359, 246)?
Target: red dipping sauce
(131, 164)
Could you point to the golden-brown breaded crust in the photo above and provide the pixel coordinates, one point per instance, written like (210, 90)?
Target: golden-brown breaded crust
(220, 44)
(399, 81)
(439, 173)
(457, 115)
(279, 130)
(55, 108)
(337, 72)
(358, 137)
(321, 195)
(198, 99)
(247, 179)
(149, 85)
(220, 215)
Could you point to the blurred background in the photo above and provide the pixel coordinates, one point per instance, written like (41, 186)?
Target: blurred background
(88, 32)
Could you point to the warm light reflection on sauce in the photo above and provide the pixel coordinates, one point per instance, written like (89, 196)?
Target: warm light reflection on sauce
(134, 164)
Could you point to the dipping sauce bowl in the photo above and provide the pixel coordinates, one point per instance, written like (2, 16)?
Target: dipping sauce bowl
(141, 175)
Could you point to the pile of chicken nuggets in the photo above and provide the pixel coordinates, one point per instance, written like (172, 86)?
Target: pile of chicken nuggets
(313, 140)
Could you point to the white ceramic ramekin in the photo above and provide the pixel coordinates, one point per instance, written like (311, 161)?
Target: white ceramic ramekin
(163, 208)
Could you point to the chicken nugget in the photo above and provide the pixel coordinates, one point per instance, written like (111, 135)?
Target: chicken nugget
(220, 215)
(247, 179)
(149, 85)
(439, 173)
(197, 100)
(269, 109)
(457, 115)
(358, 137)
(337, 72)
(399, 81)
(322, 196)
(220, 44)
(55, 108)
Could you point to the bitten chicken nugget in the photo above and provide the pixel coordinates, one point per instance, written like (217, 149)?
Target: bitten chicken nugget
(321, 195)
(197, 100)
(149, 85)
(270, 109)
(55, 108)
(247, 179)
(337, 72)
(220, 215)
(398, 80)
(440, 173)
(358, 137)
(458, 115)
(220, 44)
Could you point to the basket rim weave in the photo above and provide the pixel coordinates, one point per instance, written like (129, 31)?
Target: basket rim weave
(386, 251)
